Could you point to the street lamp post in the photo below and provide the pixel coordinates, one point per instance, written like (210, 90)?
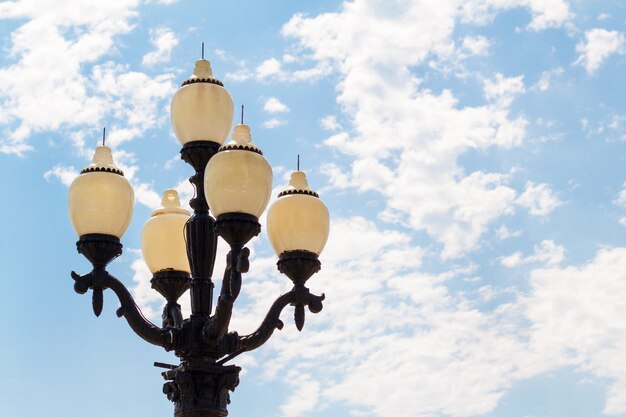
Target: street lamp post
(235, 181)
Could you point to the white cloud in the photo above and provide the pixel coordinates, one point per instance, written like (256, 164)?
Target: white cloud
(546, 77)
(476, 45)
(274, 69)
(164, 40)
(617, 122)
(413, 324)
(138, 97)
(546, 252)
(330, 123)
(611, 128)
(503, 89)
(305, 396)
(273, 123)
(145, 194)
(548, 13)
(545, 13)
(288, 58)
(598, 45)
(538, 199)
(406, 139)
(410, 327)
(269, 67)
(574, 313)
(337, 177)
(621, 197)
(513, 260)
(310, 74)
(503, 233)
(63, 173)
(54, 84)
(274, 105)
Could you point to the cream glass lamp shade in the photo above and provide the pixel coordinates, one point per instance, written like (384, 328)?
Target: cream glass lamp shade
(162, 238)
(100, 199)
(298, 219)
(238, 179)
(202, 109)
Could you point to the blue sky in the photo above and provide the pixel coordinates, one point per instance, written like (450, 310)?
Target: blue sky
(471, 154)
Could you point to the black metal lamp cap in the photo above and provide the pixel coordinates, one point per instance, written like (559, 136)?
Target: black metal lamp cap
(298, 265)
(237, 228)
(99, 249)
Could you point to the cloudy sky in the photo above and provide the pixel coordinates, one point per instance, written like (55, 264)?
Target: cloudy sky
(471, 154)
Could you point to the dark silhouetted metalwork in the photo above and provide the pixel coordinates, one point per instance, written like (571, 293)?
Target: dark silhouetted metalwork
(200, 385)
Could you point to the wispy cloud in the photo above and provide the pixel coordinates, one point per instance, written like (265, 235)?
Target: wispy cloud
(269, 67)
(76, 89)
(476, 45)
(273, 123)
(546, 252)
(598, 46)
(426, 145)
(546, 78)
(538, 199)
(164, 40)
(330, 123)
(64, 174)
(274, 105)
(573, 310)
(504, 89)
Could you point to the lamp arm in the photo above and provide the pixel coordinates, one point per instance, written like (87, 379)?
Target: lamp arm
(99, 280)
(236, 263)
(271, 322)
(217, 327)
(298, 296)
(173, 314)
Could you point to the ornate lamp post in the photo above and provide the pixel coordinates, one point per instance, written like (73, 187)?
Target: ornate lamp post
(235, 181)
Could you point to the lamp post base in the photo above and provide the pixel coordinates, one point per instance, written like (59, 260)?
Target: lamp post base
(201, 390)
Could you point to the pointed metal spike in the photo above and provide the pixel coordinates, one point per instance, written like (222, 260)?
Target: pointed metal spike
(97, 302)
(299, 316)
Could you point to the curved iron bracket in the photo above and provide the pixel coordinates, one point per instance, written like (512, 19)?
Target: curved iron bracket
(99, 280)
(299, 296)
